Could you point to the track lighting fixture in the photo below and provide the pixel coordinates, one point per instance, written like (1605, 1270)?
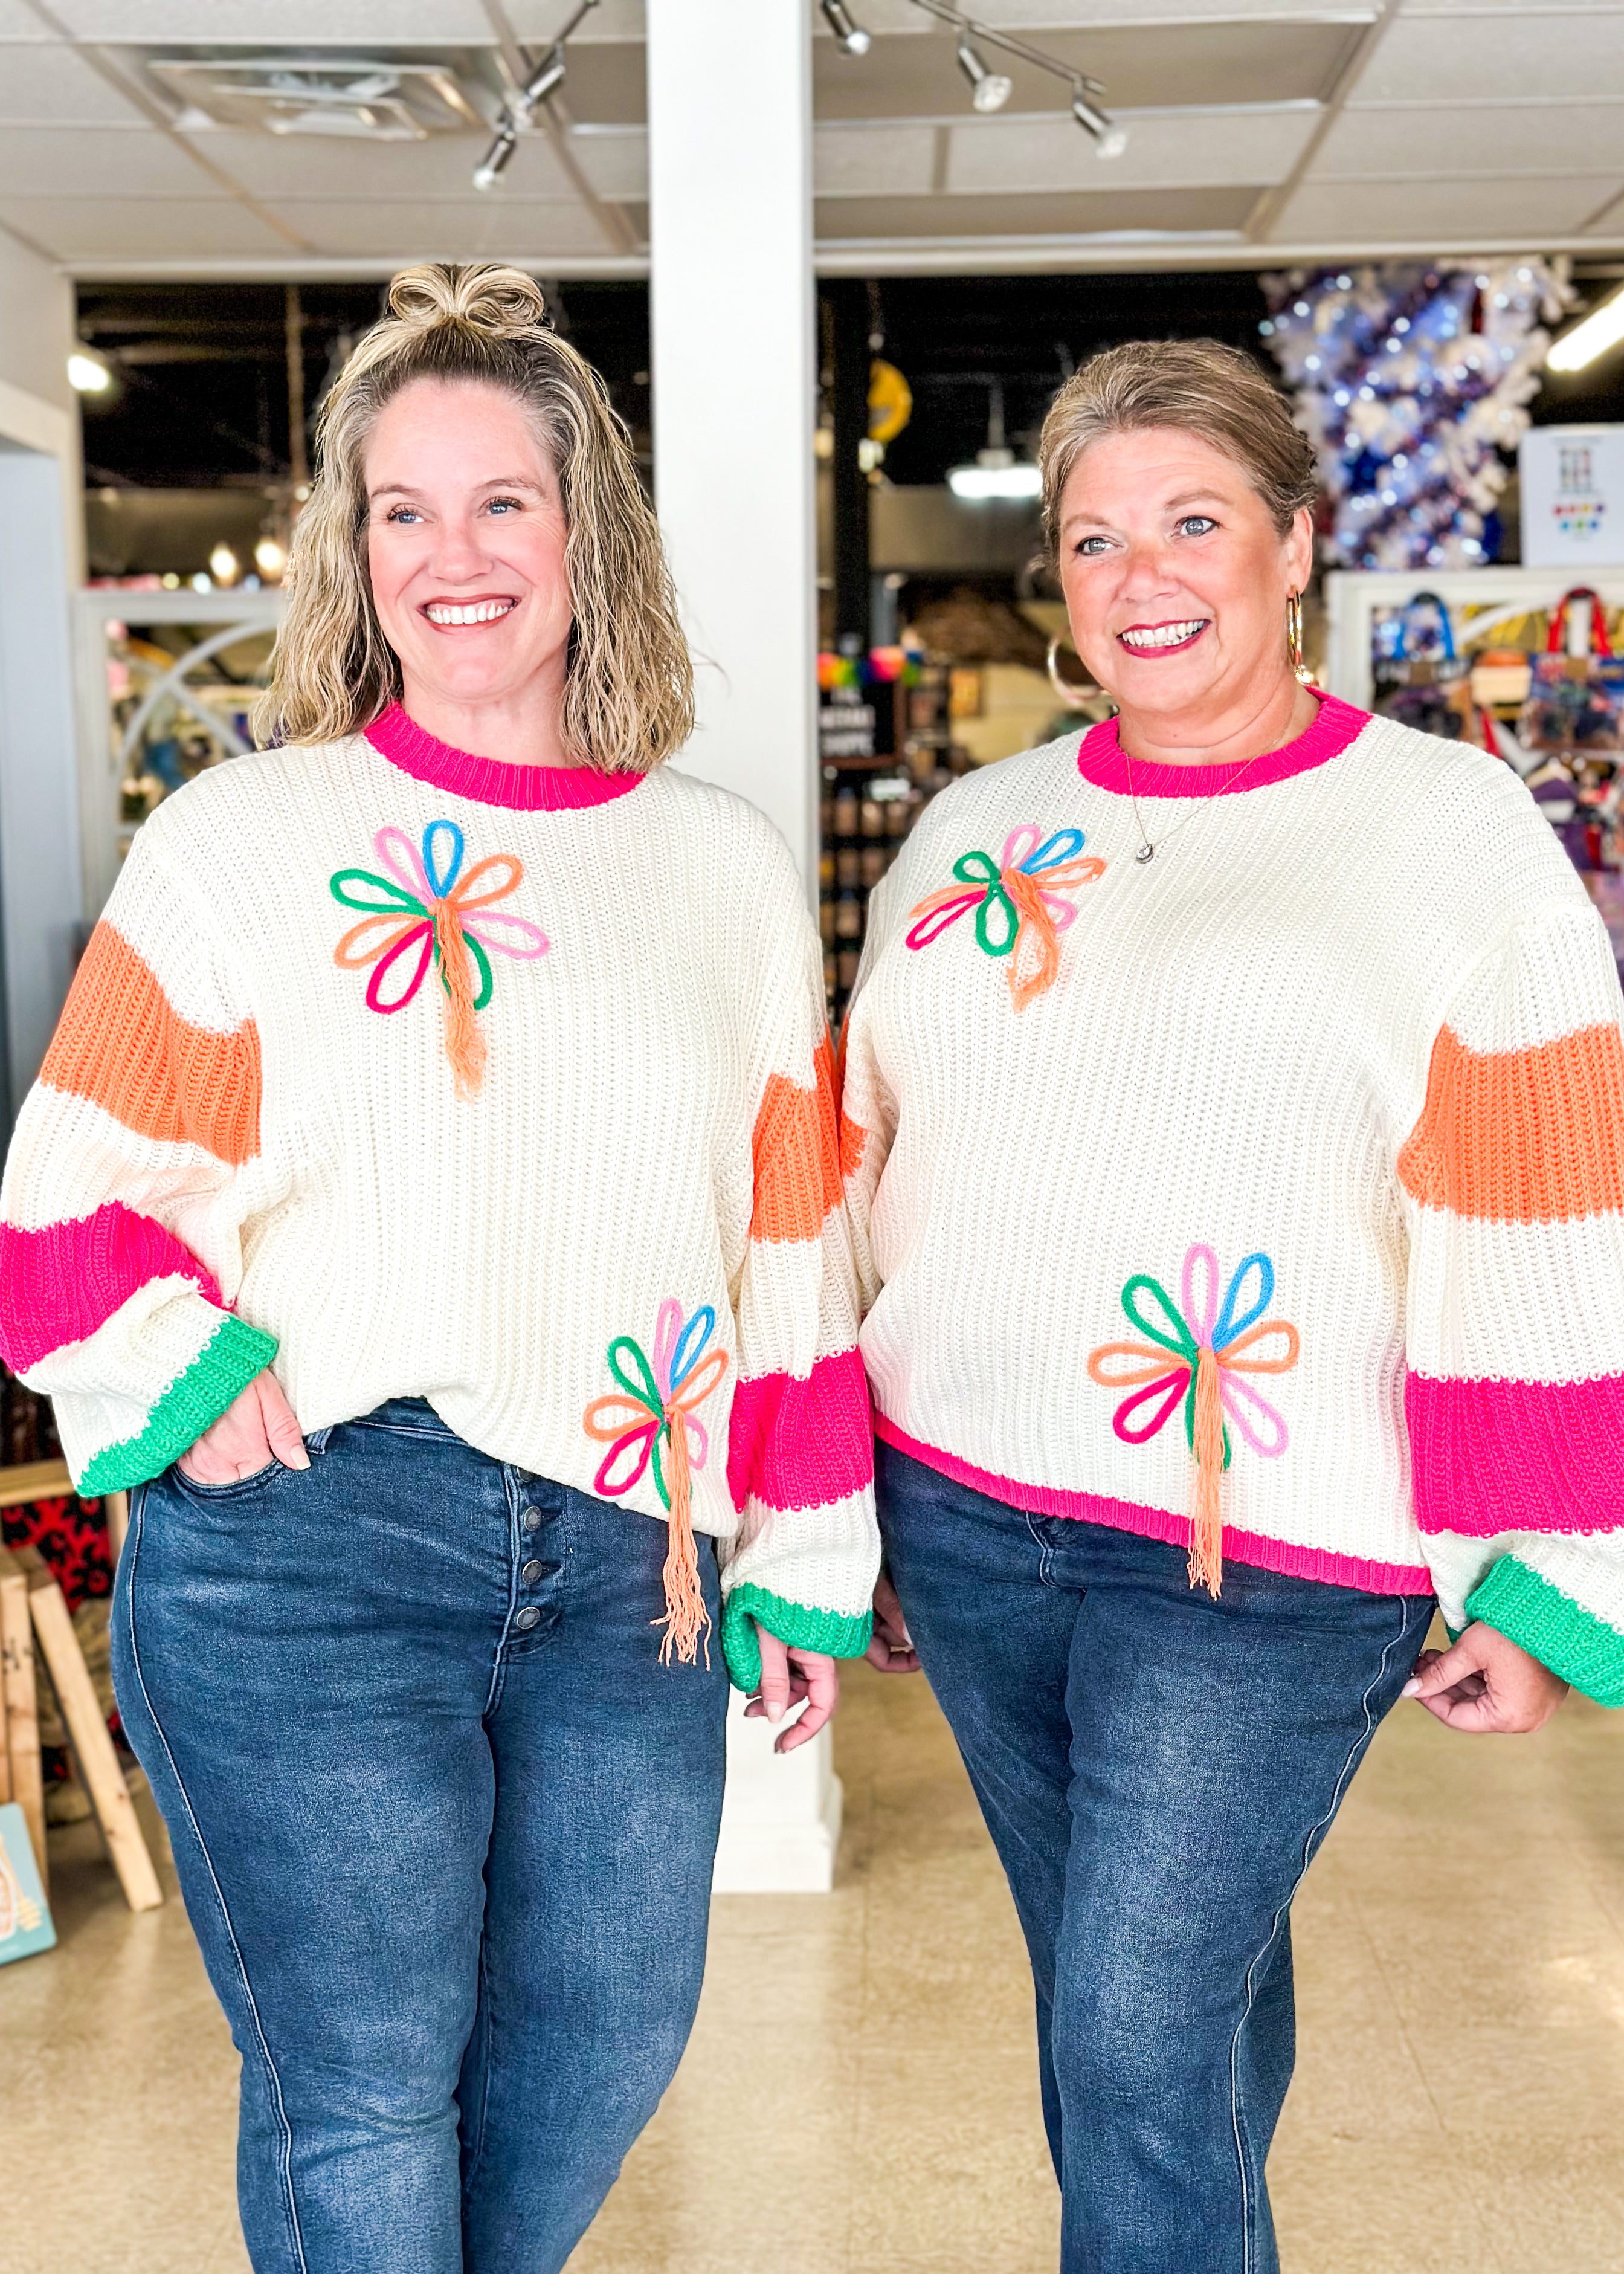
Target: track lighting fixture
(1111, 140)
(516, 113)
(853, 38)
(989, 90)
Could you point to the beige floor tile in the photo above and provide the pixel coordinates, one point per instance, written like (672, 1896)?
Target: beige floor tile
(860, 2095)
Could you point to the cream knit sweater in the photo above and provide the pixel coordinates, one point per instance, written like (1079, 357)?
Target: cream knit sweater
(1268, 1195)
(507, 1086)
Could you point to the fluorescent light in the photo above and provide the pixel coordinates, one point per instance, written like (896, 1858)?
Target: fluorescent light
(1601, 329)
(853, 38)
(87, 374)
(989, 90)
(1018, 480)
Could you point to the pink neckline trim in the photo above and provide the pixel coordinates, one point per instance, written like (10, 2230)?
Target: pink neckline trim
(1253, 1548)
(491, 781)
(1099, 759)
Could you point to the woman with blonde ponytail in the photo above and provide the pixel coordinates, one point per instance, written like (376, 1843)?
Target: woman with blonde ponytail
(430, 1212)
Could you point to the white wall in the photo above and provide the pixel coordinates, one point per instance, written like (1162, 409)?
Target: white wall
(41, 897)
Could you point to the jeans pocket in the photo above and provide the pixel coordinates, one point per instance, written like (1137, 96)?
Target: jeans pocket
(201, 1491)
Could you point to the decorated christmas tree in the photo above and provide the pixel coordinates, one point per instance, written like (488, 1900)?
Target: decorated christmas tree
(1412, 381)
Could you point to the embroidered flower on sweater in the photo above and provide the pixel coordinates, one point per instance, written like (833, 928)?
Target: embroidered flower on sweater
(1212, 1343)
(659, 1410)
(1020, 901)
(425, 905)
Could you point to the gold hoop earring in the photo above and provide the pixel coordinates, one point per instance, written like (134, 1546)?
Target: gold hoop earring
(1294, 640)
(1075, 695)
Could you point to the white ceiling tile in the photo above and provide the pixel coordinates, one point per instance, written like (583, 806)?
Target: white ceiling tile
(321, 165)
(474, 229)
(118, 229)
(1454, 212)
(1164, 150)
(538, 22)
(1455, 138)
(278, 23)
(880, 161)
(17, 22)
(53, 85)
(614, 160)
(133, 161)
(1610, 222)
(1452, 60)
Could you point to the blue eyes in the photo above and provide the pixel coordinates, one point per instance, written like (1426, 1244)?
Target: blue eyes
(405, 515)
(1193, 525)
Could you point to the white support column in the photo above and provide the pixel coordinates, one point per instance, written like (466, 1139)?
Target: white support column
(734, 370)
(41, 896)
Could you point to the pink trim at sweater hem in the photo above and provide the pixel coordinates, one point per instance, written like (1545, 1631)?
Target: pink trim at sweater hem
(491, 781)
(1099, 759)
(1253, 1548)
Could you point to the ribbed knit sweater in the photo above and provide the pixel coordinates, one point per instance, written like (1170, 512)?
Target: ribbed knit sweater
(508, 1086)
(1276, 1183)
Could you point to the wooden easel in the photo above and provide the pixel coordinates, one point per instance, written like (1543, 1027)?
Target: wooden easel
(32, 1607)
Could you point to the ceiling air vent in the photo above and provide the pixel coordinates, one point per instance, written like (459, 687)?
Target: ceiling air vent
(286, 95)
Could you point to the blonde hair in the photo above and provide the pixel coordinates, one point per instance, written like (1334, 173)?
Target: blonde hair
(1200, 386)
(628, 691)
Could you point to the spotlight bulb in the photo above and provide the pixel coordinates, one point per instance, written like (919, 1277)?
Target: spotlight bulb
(853, 38)
(490, 168)
(87, 374)
(1110, 139)
(989, 90)
(224, 565)
(547, 79)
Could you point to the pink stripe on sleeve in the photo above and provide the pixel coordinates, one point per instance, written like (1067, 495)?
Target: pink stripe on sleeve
(59, 1284)
(801, 1444)
(1494, 1457)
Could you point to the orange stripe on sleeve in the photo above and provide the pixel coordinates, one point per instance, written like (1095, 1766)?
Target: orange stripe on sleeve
(1531, 1136)
(122, 1045)
(797, 1156)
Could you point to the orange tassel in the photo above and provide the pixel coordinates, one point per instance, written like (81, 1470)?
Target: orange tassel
(465, 1044)
(1028, 979)
(1206, 1511)
(686, 1618)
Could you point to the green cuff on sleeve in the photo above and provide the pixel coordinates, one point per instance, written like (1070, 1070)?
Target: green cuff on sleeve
(1553, 1628)
(799, 1625)
(194, 1402)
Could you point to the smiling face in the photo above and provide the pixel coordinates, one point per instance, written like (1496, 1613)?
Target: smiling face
(1176, 581)
(465, 546)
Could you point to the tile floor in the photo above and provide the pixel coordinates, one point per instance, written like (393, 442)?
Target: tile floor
(858, 2092)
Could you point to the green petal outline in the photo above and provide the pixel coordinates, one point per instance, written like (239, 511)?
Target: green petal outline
(997, 898)
(645, 1390)
(402, 900)
(1185, 1345)
(482, 965)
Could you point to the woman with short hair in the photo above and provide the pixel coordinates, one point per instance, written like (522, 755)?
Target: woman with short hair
(454, 1078)
(1234, 1121)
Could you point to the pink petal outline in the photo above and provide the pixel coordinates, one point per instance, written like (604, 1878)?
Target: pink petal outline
(1175, 1384)
(408, 869)
(604, 1483)
(696, 1428)
(931, 927)
(374, 985)
(1233, 1390)
(668, 1333)
(1061, 913)
(1200, 1317)
(480, 927)
(1014, 850)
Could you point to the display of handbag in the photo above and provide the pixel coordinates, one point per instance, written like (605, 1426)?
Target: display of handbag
(1423, 687)
(1575, 703)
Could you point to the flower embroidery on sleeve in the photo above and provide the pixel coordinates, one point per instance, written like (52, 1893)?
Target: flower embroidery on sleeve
(1021, 902)
(1212, 1345)
(425, 908)
(657, 1419)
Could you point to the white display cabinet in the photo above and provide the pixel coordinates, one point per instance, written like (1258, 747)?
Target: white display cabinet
(1482, 603)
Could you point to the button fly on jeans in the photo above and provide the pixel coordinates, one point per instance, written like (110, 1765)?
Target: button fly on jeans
(531, 1571)
(531, 1519)
(527, 1618)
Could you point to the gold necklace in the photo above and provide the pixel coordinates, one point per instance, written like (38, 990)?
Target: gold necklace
(1148, 850)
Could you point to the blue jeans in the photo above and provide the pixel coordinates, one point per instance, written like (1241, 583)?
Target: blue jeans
(444, 1829)
(1157, 1770)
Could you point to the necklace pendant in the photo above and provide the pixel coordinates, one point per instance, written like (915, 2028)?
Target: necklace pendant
(1147, 851)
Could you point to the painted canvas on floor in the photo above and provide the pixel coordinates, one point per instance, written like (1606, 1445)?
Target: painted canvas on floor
(25, 1916)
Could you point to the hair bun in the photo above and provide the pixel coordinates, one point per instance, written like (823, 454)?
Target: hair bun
(504, 303)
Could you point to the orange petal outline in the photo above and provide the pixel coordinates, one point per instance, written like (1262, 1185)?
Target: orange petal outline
(1229, 1359)
(700, 1383)
(464, 897)
(350, 956)
(631, 1415)
(1153, 1364)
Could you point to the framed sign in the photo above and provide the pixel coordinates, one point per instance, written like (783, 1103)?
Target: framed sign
(1572, 482)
